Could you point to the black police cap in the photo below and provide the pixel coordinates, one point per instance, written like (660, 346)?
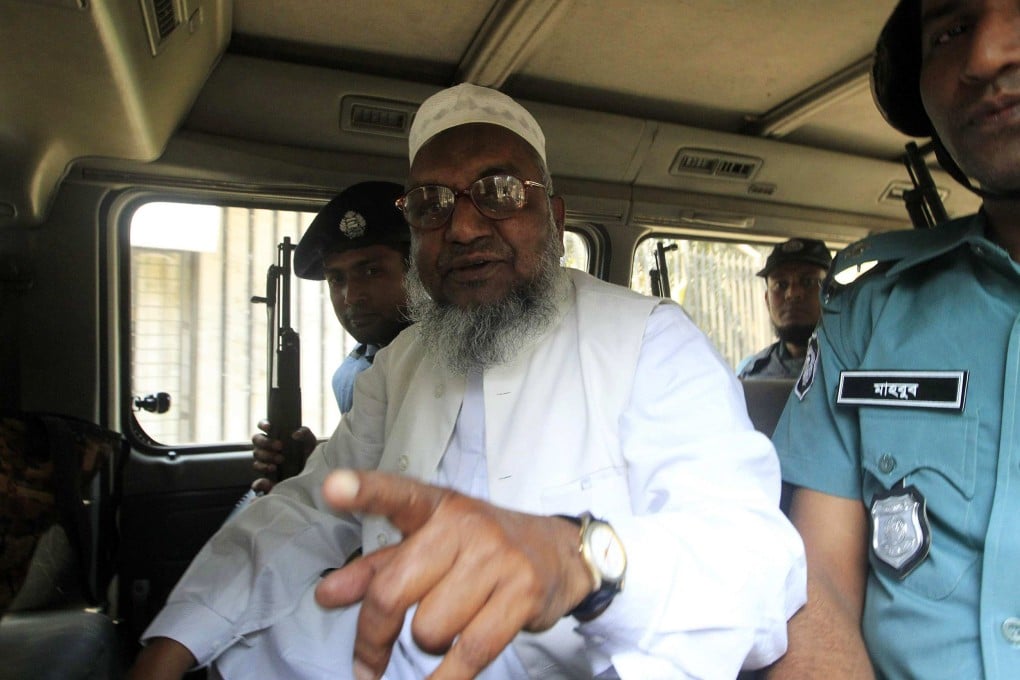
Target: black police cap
(363, 215)
(809, 250)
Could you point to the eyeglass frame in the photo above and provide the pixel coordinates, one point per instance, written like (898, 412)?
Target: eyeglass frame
(401, 201)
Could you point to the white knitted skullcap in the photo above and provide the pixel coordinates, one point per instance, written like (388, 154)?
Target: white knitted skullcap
(467, 103)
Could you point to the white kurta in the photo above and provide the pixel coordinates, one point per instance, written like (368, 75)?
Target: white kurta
(624, 409)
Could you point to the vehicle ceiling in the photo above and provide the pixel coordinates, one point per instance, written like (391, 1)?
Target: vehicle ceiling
(795, 71)
(792, 69)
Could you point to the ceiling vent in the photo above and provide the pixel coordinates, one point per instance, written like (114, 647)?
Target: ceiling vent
(715, 164)
(376, 116)
(897, 188)
(162, 17)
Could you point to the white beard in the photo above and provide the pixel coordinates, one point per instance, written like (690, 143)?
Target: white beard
(476, 338)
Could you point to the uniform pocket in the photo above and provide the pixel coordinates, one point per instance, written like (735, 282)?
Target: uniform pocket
(935, 452)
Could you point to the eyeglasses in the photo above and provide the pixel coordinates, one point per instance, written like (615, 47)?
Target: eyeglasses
(498, 197)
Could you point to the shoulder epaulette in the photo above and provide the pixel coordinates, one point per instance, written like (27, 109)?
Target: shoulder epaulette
(887, 249)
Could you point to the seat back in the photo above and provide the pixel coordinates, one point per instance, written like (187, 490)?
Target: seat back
(766, 398)
(59, 484)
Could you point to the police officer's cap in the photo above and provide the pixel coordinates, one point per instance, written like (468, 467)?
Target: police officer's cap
(363, 215)
(809, 250)
(896, 72)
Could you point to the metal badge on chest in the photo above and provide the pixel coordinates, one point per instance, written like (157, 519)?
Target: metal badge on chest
(900, 532)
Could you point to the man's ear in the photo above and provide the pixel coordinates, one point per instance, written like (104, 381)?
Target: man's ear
(559, 211)
(559, 215)
(768, 305)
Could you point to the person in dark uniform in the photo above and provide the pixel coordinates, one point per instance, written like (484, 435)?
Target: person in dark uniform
(793, 276)
(902, 437)
(359, 244)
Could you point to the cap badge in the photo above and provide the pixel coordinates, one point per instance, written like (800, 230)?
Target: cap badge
(793, 246)
(352, 225)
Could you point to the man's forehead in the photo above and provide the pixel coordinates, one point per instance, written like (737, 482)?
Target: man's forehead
(795, 268)
(354, 257)
(939, 6)
(932, 10)
(472, 151)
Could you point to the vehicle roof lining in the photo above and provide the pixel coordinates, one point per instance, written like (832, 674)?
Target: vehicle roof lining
(610, 118)
(582, 145)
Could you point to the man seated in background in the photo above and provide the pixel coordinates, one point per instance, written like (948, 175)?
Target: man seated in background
(580, 489)
(793, 275)
(360, 244)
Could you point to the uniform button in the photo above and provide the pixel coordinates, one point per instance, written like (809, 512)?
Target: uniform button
(1011, 630)
(403, 463)
(978, 250)
(440, 390)
(886, 463)
(383, 539)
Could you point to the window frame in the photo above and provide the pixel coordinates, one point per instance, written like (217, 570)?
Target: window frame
(759, 240)
(122, 208)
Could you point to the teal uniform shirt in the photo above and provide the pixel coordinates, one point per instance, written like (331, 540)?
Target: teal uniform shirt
(346, 373)
(942, 300)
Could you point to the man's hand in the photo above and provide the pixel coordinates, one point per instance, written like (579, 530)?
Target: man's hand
(479, 573)
(268, 452)
(161, 658)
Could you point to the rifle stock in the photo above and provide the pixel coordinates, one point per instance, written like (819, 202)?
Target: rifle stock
(283, 368)
(660, 274)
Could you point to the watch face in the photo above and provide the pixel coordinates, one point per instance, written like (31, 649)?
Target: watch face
(607, 551)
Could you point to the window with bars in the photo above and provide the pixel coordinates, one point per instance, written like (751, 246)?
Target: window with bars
(196, 335)
(715, 283)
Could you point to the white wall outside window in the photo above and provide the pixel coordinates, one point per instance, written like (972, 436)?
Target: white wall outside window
(196, 334)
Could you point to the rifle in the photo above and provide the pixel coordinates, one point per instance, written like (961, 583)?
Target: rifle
(923, 202)
(283, 367)
(660, 274)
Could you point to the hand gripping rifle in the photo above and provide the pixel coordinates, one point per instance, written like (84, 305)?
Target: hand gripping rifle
(923, 202)
(283, 368)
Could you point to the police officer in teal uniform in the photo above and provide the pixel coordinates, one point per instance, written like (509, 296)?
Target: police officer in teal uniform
(901, 436)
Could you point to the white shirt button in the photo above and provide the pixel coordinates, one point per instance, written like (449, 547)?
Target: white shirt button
(440, 390)
(383, 539)
(403, 463)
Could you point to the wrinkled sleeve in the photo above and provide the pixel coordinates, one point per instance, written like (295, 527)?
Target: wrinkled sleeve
(254, 570)
(714, 568)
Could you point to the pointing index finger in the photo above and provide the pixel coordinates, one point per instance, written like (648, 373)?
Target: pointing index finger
(408, 504)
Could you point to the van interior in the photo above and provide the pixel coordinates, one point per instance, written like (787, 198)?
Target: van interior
(154, 152)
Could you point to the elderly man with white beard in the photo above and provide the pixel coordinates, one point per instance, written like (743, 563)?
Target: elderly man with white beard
(548, 476)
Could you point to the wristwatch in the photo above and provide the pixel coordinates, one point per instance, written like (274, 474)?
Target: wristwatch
(603, 552)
